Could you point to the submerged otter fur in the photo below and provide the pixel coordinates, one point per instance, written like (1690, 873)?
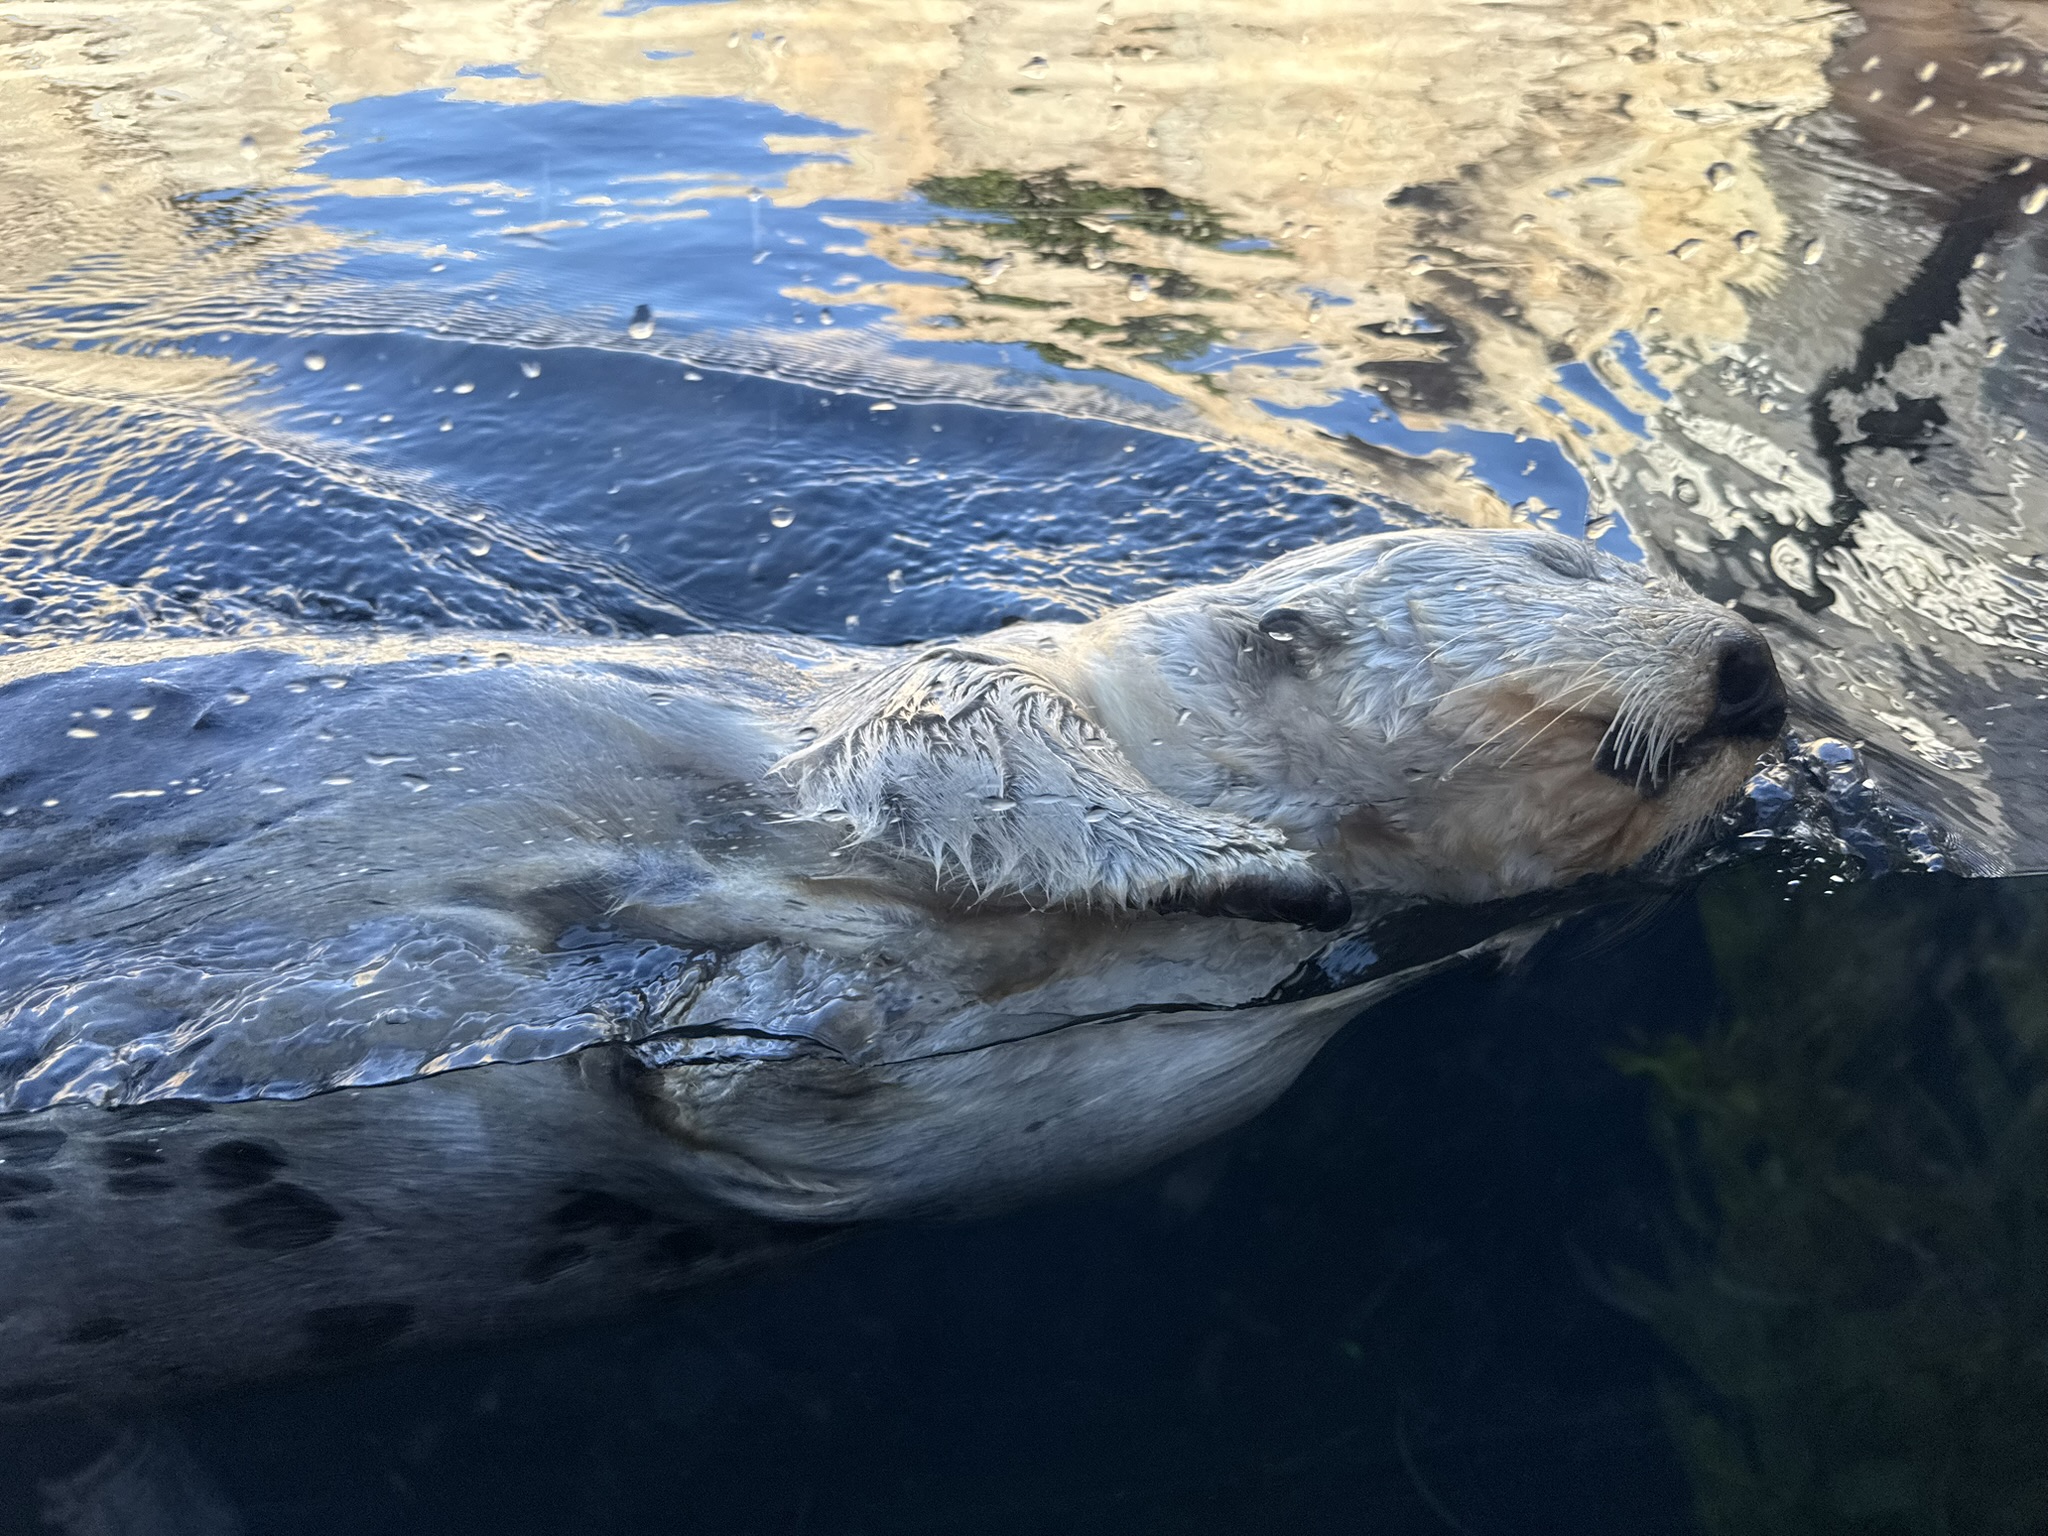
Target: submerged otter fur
(745, 938)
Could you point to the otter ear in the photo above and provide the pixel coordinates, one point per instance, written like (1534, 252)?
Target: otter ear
(1296, 636)
(998, 781)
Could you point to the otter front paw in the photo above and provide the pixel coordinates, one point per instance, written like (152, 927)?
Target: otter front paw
(1303, 897)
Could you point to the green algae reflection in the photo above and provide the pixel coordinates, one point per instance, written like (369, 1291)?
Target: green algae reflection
(1861, 1149)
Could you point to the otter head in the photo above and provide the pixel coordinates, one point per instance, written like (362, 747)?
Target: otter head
(1448, 713)
(1463, 715)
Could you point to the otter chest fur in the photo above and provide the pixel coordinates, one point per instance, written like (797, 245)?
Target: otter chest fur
(356, 995)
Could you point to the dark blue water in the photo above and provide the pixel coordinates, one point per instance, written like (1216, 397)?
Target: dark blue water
(1727, 1212)
(1725, 1215)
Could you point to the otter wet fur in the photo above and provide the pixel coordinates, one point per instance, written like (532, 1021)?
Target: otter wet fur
(365, 995)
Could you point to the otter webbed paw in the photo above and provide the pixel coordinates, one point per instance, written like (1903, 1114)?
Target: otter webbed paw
(1299, 896)
(1000, 784)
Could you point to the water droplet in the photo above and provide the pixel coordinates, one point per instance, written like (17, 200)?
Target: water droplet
(236, 696)
(2035, 200)
(1877, 95)
(414, 782)
(1036, 69)
(824, 317)
(142, 712)
(530, 368)
(1996, 348)
(1139, 288)
(1920, 106)
(1685, 250)
(781, 517)
(1685, 491)
(896, 581)
(81, 733)
(1747, 239)
(1873, 62)
(315, 361)
(1812, 252)
(1720, 174)
(882, 405)
(1927, 71)
(465, 387)
(641, 326)
(248, 146)
(447, 425)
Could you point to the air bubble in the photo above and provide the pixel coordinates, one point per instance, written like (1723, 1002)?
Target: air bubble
(530, 368)
(781, 517)
(315, 361)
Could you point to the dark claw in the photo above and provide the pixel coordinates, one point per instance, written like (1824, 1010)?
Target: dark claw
(1307, 900)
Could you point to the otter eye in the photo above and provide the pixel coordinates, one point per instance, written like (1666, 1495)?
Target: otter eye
(1566, 557)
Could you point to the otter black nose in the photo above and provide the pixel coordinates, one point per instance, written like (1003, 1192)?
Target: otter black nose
(1749, 697)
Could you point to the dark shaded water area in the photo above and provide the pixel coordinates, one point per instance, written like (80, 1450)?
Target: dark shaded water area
(1725, 1210)
(1725, 1214)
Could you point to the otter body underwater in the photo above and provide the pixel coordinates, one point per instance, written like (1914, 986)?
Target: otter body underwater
(369, 995)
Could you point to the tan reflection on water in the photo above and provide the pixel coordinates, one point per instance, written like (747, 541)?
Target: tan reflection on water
(1457, 196)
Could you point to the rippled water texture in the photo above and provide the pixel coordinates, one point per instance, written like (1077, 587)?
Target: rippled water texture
(887, 319)
(630, 319)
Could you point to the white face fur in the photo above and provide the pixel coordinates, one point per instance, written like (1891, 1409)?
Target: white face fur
(1453, 714)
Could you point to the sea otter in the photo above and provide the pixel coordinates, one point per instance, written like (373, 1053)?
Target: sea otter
(358, 994)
